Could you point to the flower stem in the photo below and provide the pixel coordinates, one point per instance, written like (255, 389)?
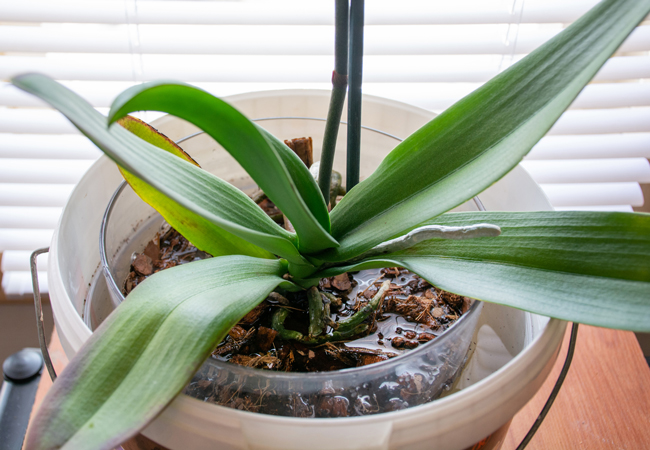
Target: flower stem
(339, 88)
(354, 96)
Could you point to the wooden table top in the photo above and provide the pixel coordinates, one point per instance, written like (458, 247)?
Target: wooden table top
(604, 402)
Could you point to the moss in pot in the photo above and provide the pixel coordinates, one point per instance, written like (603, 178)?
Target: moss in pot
(586, 267)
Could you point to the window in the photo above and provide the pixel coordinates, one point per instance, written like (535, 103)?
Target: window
(423, 52)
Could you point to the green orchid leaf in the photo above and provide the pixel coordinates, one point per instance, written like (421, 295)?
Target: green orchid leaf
(482, 137)
(273, 166)
(142, 356)
(305, 183)
(586, 267)
(205, 195)
(204, 234)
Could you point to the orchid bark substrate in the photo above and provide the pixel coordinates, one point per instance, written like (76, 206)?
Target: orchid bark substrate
(586, 267)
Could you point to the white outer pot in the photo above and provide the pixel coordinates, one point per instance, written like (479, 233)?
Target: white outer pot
(515, 350)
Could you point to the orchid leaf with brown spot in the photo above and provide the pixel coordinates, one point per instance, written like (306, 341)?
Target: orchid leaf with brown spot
(202, 233)
(270, 163)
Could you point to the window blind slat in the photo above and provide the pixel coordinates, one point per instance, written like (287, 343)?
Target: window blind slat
(613, 95)
(28, 217)
(38, 121)
(586, 146)
(283, 40)
(288, 12)
(20, 239)
(616, 208)
(433, 96)
(49, 171)
(47, 146)
(245, 68)
(593, 194)
(624, 68)
(597, 121)
(238, 69)
(21, 194)
(602, 121)
(102, 93)
(18, 261)
(589, 171)
(19, 284)
(439, 96)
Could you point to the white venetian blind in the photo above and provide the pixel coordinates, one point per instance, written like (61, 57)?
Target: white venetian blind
(428, 53)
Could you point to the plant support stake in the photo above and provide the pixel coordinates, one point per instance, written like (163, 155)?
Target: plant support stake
(354, 96)
(339, 88)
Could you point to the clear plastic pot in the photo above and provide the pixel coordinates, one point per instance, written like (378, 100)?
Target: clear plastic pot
(419, 376)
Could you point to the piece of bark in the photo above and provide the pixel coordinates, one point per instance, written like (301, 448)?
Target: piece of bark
(242, 360)
(364, 360)
(390, 272)
(152, 250)
(455, 300)
(265, 338)
(438, 312)
(400, 342)
(302, 147)
(333, 407)
(237, 333)
(254, 314)
(139, 442)
(143, 264)
(426, 337)
(341, 282)
(414, 309)
(370, 292)
(269, 207)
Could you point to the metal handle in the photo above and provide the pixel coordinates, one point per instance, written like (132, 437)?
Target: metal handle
(39, 312)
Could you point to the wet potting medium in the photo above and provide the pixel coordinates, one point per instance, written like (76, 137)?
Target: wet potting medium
(514, 350)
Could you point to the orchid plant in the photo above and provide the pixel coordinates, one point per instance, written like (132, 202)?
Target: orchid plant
(588, 267)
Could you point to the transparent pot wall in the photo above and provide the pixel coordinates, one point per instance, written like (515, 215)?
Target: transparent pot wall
(412, 379)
